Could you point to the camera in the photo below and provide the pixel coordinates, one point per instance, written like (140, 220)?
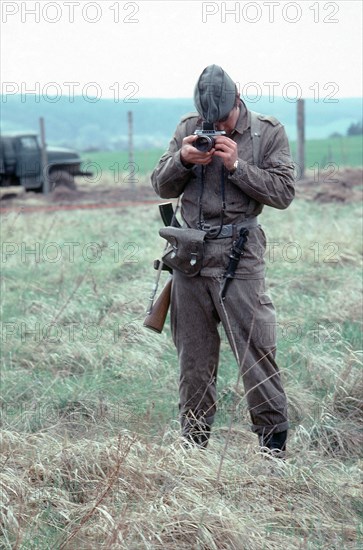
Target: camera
(205, 142)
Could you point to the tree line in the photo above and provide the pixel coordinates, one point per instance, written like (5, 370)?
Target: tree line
(355, 129)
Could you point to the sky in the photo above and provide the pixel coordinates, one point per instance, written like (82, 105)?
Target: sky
(128, 50)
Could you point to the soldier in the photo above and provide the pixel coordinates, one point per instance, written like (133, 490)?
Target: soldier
(223, 190)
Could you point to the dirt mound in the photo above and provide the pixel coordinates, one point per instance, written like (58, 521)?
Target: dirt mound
(342, 186)
(64, 193)
(8, 196)
(101, 194)
(62, 197)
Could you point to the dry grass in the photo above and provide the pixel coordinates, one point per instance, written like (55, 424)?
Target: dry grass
(129, 492)
(91, 456)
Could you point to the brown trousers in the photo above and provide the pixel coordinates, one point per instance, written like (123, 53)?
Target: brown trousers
(196, 313)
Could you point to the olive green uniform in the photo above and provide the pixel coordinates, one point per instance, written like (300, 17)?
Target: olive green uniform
(247, 313)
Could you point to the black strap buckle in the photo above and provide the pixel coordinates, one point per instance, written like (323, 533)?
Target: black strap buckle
(204, 226)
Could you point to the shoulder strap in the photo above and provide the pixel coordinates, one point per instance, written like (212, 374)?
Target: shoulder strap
(191, 114)
(255, 136)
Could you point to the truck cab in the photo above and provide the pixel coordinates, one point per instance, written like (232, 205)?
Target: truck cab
(21, 163)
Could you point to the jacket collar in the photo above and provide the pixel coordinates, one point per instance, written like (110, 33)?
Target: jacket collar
(244, 119)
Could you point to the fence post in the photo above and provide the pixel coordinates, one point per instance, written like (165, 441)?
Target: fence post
(44, 157)
(301, 136)
(131, 177)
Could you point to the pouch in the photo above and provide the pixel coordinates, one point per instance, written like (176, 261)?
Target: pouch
(186, 249)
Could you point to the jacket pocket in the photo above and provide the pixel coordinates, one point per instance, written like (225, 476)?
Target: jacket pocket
(265, 299)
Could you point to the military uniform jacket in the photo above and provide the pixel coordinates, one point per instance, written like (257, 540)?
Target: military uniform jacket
(247, 190)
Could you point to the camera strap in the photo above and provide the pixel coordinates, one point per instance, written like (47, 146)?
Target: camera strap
(255, 130)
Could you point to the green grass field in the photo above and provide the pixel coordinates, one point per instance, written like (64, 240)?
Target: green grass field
(342, 152)
(90, 447)
(116, 163)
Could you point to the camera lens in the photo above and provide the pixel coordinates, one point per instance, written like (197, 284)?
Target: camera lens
(204, 143)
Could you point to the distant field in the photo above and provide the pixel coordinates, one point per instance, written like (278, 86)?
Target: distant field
(344, 151)
(116, 163)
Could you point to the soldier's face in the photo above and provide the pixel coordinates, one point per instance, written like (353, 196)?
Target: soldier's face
(228, 124)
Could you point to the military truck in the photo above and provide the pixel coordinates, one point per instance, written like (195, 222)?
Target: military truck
(21, 163)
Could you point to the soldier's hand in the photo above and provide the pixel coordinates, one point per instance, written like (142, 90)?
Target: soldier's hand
(226, 148)
(190, 155)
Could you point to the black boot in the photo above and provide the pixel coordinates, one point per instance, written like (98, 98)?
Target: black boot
(197, 431)
(198, 437)
(274, 444)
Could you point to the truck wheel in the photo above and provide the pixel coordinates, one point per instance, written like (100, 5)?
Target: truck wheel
(61, 177)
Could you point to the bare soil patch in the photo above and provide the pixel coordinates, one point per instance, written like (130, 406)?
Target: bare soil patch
(63, 198)
(344, 186)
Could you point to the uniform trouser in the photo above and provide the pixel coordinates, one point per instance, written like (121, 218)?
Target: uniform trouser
(196, 313)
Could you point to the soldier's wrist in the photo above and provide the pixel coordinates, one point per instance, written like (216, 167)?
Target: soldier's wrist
(234, 167)
(240, 170)
(184, 162)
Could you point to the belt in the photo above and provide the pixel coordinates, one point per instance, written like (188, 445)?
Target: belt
(231, 230)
